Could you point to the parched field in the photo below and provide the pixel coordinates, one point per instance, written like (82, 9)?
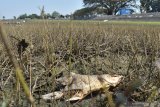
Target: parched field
(86, 47)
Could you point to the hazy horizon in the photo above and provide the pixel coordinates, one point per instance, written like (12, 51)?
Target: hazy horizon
(11, 8)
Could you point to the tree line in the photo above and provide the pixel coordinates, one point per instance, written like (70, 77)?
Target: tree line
(95, 7)
(54, 15)
(111, 7)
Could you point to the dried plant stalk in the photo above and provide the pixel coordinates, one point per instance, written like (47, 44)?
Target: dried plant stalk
(19, 74)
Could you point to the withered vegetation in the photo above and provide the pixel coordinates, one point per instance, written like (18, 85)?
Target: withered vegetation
(85, 47)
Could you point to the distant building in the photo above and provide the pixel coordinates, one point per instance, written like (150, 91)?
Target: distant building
(125, 11)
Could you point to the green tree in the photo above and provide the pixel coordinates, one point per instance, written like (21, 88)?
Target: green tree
(4, 17)
(48, 15)
(84, 12)
(149, 6)
(23, 16)
(61, 16)
(155, 6)
(34, 16)
(14, 17)
(68, 16)
(55, 14)
(110, 7)
(145, 5)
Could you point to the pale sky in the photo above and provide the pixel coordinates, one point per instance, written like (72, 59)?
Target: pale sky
(10, 8)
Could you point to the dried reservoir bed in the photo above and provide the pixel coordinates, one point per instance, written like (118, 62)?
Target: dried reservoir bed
(85, 47)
